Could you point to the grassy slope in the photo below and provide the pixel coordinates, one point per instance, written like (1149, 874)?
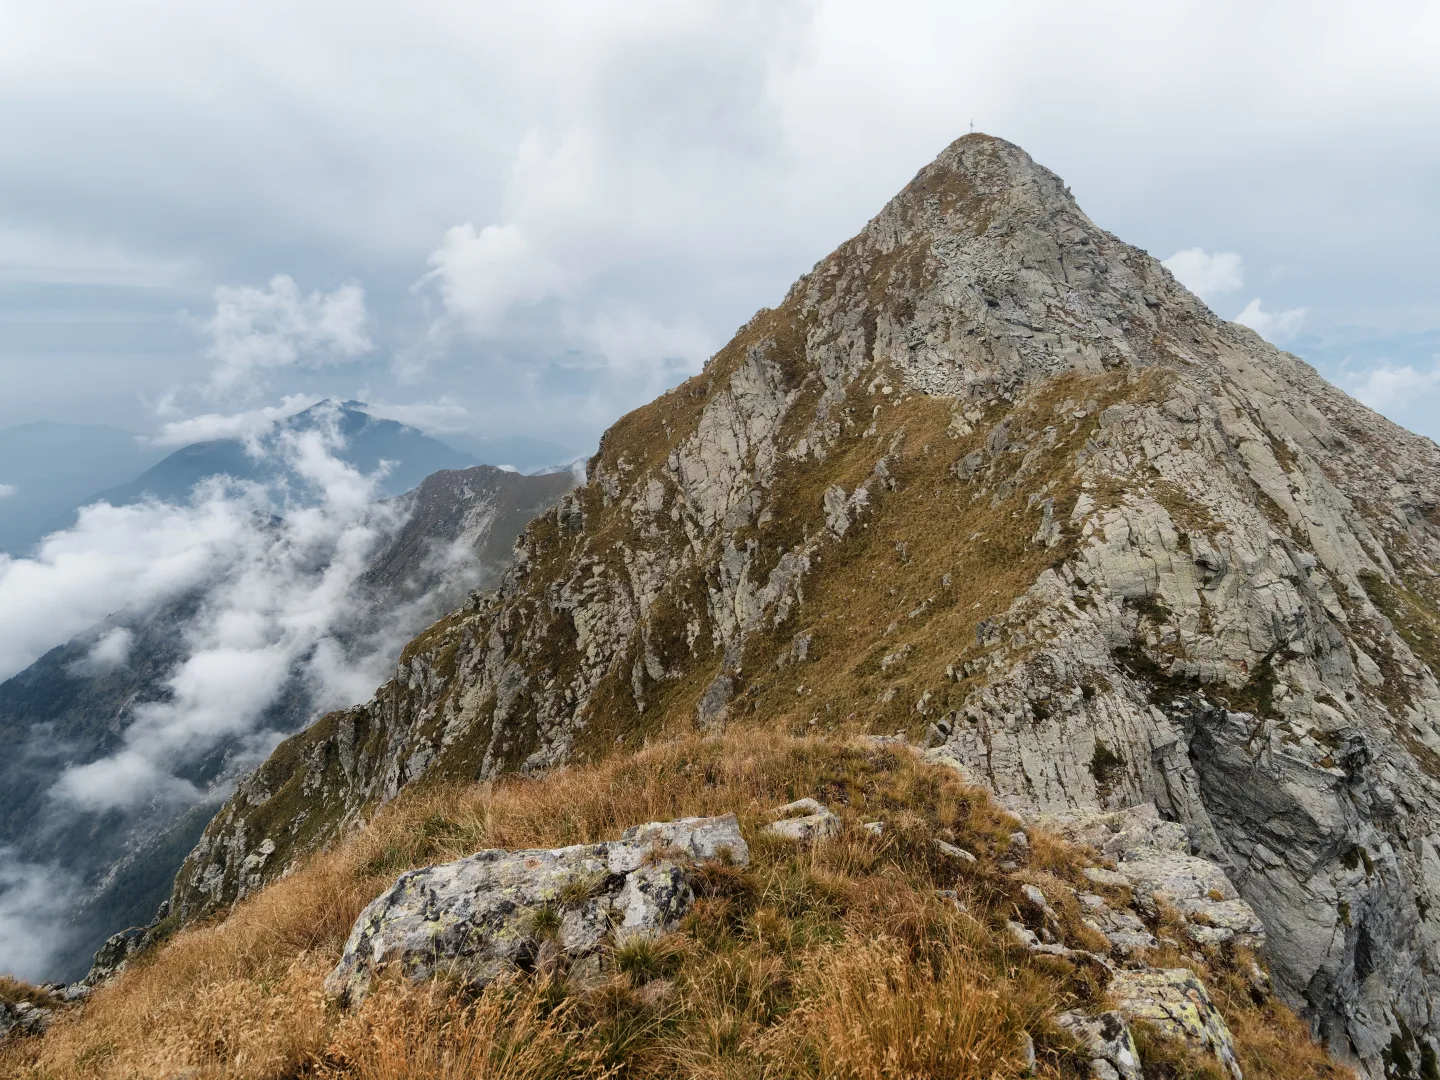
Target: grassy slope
(839, 961)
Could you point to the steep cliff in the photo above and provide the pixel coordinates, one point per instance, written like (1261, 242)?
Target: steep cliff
(992, 477)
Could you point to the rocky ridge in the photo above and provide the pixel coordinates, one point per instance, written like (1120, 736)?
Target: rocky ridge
(991, 475)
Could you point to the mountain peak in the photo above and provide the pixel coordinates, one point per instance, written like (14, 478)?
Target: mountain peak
(983, 275)
(979, 179)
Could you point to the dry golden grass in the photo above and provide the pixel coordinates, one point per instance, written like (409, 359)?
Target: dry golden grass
(836, 961)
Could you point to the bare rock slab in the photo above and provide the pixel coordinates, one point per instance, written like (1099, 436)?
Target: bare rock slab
(493, 911)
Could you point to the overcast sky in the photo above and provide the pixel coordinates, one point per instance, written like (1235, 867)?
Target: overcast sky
(528, 218)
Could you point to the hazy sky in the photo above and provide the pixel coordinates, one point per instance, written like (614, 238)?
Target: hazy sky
(528, 218)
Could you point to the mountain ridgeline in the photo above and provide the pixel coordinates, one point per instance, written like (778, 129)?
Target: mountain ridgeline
(990, 477)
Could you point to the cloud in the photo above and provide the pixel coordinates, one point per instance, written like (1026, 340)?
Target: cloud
(7, 490)
(122, 781)
(110, 651)
(35, 902)
(1391, 386)
(273, 590)
(1207, 275)
(483, 274)
(260, 603)
(113, 558)
(253, 331)
(632, 341)
(1273, 326)
(684, 160)
(433, 416)
(240, 425)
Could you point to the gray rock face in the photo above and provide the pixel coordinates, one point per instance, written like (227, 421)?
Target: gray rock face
(110, 958)
(1153, 857)
(498, 910)
(1229, 625)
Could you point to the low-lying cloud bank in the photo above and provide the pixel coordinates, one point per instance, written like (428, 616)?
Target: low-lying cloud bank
(276, 574)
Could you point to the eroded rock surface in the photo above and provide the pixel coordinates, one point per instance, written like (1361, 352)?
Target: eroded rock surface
(503, 910)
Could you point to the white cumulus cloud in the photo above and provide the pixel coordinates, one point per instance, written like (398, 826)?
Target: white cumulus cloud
(1386, 386)
(483, 274)
(255, 330)
(1206, 274)
(1272, 325)
(7, 490)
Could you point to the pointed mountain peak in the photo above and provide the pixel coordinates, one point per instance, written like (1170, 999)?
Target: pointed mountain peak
(979, 180)
(983, 274)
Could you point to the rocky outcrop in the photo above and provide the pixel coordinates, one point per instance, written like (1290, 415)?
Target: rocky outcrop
(22, 1018)
(521, 910)
(1153, 858)
(989, 473)
(1176, 1002)
(1155, 879)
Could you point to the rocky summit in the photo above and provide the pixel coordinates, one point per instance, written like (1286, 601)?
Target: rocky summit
(990, 479)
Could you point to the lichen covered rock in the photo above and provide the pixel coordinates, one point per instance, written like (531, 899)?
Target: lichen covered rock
(1106, 1035)
(496, 910)
(1176, 1002)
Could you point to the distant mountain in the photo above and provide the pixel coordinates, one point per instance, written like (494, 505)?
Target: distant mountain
(518, 452)
(458, 528)
(55, 467)
(481, 510)
(369, 441)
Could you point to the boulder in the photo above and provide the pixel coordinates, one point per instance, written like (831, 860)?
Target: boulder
(494, 911)
(804, 821)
